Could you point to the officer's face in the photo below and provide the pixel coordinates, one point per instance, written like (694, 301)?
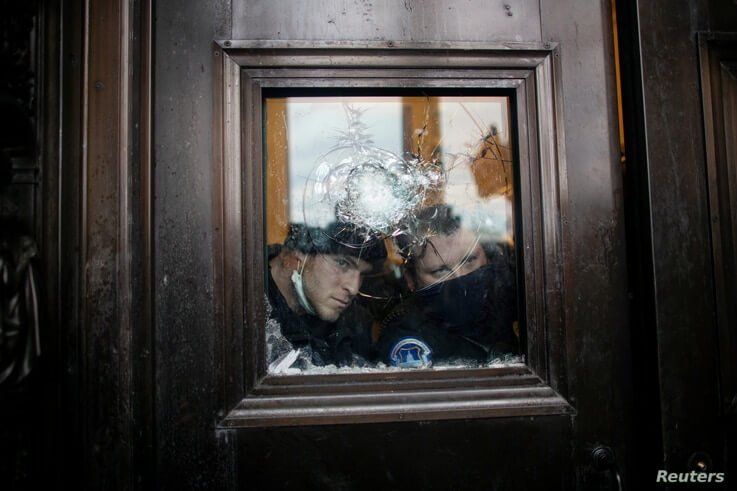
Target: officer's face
(447, 257)
(331, 281)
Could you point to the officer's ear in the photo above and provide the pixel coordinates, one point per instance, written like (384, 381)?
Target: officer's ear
(293, 260)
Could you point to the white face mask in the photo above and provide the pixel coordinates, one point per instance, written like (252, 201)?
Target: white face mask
(301, 297)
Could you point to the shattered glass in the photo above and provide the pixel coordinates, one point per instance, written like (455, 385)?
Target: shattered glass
(373, 166)
(365, 185)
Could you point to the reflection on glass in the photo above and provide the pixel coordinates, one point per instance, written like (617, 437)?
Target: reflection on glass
(390, 229)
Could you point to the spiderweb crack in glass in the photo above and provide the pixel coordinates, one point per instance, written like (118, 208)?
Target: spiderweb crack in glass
(367, 186)
(376, 188)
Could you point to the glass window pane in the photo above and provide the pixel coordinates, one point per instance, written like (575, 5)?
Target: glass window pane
(390, 231)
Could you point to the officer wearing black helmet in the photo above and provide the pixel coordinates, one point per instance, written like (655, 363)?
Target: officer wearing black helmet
(313, 280)
(463, 302)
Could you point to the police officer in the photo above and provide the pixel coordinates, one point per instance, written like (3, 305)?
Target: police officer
(312, 282)
(463, 302)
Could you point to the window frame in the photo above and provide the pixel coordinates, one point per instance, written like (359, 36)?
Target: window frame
(718, 65)
(250, 397)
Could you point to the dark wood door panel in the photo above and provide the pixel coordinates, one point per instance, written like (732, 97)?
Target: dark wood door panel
(684, 293)
(496, 454)
(409, 20)
(142, 345)
(718, 62)
(192, 339)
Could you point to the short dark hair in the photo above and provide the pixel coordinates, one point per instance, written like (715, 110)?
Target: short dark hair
(428, 222)
(336, 238)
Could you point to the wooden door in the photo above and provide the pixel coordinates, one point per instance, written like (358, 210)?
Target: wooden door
(577, 323)
(165, 172)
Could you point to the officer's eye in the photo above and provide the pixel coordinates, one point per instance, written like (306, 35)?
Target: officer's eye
(470, 261)
(342, 262)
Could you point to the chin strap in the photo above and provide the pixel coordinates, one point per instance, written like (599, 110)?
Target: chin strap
(300, 290)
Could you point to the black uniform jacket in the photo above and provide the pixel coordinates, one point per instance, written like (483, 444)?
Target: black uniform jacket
(343, 343)
(420, 332)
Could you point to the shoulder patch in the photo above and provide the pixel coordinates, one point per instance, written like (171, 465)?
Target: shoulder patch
(411, 353)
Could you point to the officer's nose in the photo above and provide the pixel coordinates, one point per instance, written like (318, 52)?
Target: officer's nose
(460, 270)
(352, 282)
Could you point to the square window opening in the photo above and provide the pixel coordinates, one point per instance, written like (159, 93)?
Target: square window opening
(391, 227)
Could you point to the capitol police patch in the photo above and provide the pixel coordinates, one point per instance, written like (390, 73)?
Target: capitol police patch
(411, 353)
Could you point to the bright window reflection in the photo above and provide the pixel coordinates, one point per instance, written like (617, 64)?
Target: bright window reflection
(390, 232)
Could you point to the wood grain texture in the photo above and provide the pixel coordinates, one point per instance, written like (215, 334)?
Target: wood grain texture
(413, 20)
(247, 69)
(595, 277)
(684, 291)
(187, 347)
(496, 454)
